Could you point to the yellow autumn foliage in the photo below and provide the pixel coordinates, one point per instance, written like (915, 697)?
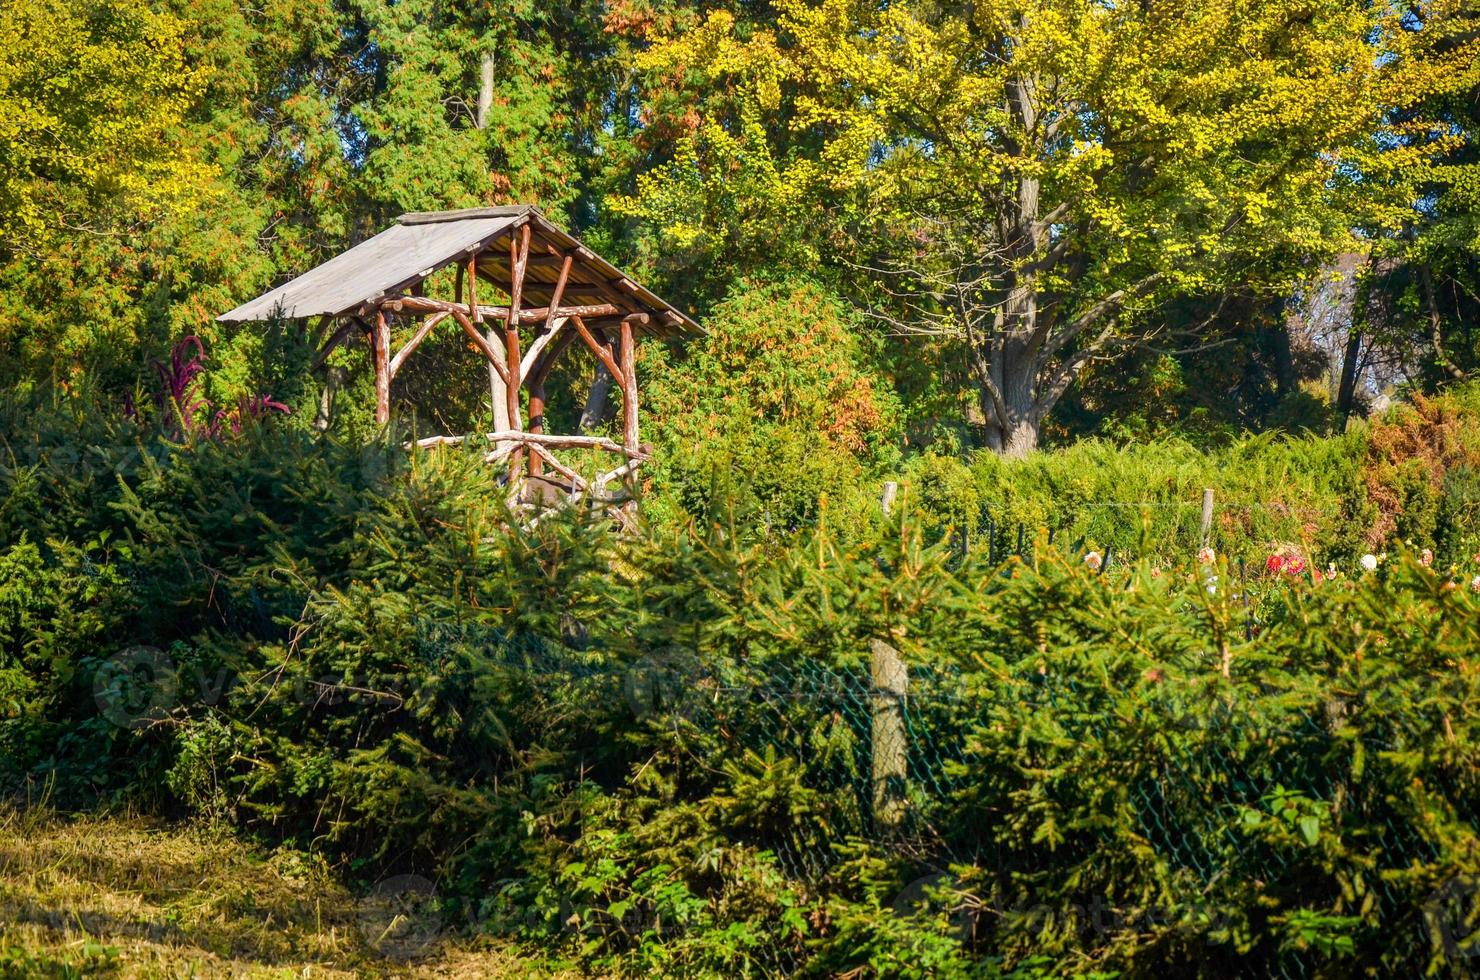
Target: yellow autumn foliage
(92, 97)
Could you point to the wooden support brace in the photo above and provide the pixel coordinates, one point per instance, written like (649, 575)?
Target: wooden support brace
(335, 339)
(527, 363)
(625, 470)
(540, 452)
(480, 342)
(558, 293)
(600, 351)
(426, 327)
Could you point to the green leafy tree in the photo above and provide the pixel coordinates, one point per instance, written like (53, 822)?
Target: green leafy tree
(780, 406)
(92, 96)
(1027, 176)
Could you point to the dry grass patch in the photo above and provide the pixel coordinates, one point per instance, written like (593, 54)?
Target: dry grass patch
(129, 897)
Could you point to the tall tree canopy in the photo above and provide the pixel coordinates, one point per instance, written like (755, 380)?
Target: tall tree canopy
(92, 97)
(1022, 177)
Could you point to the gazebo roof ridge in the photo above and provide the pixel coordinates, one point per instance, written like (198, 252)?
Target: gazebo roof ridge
(462, 214)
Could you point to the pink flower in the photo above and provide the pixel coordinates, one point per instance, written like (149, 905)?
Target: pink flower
(1294, 566)
(1475, 584)
(1093, 560)
(1275, 564)
(1206, 555)
(1426, 558)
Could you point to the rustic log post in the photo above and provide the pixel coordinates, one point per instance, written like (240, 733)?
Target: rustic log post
(629, 387)
(1207, 516)
(536, 420)
(889, 743)
(381, 353)
(518, 263)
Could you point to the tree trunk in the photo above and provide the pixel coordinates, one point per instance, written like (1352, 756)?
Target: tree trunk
(498, 394)
(485, 89)
(497, 390)
(333, 381)
(1436, 324)
(1280, 347)
(1016, 433)
(1346, 395)
(1012, 399)
(598, 402)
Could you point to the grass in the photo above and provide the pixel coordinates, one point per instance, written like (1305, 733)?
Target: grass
(126, 897)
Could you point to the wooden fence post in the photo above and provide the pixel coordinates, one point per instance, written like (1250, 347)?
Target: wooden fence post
(1207, 516)
(889, 745)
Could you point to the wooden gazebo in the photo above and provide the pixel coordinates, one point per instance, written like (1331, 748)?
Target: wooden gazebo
(550, 291)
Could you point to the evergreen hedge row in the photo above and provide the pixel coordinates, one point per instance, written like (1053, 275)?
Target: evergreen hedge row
(653, 752)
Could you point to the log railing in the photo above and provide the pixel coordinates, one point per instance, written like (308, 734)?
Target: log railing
(508, 441)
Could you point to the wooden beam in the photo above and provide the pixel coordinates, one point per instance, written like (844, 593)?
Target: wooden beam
(520, 438)
(536, 314)
(553, 441)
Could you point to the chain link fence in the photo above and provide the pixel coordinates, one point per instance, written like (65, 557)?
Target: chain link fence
(888, 755)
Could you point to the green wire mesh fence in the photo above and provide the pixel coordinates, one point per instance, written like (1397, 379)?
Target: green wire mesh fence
(895, 761)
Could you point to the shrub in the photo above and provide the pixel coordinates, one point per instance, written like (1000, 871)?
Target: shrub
(654, 751)
(1403, 476)
(778, 407)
